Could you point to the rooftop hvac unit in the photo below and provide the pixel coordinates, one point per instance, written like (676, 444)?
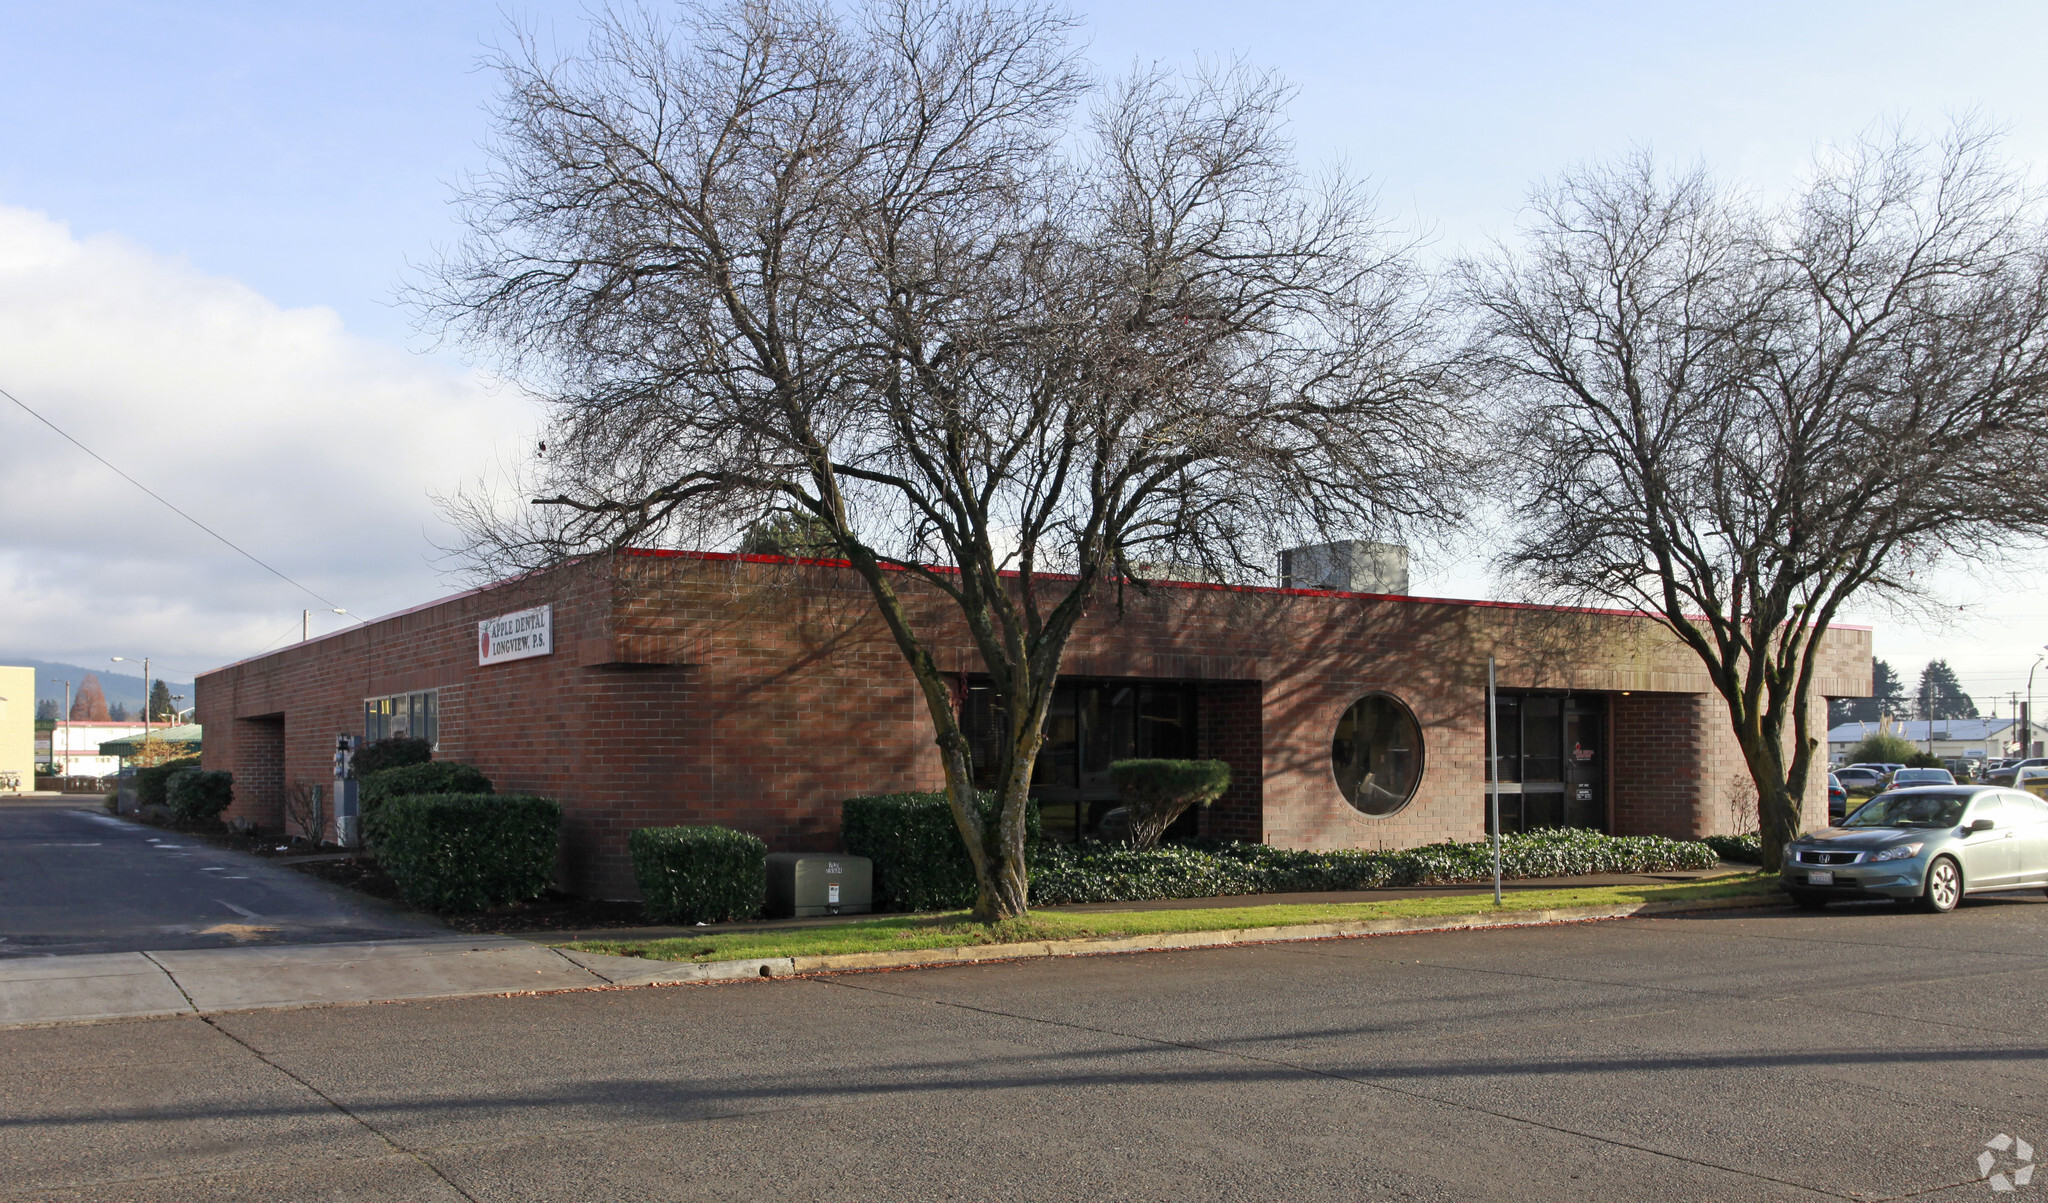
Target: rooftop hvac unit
(803, 884)
(1350, 566)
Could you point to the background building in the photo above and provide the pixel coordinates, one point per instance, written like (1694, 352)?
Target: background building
(1951, 738)
(656, 688)
(75, 747)
(17, 728)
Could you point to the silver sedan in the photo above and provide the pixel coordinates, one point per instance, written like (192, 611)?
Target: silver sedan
(1929, 845)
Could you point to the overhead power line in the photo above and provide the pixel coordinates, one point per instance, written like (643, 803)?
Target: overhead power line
(244, 553)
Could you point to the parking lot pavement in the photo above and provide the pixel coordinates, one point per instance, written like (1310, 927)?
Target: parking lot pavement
(75, 880)
(1858, 1053)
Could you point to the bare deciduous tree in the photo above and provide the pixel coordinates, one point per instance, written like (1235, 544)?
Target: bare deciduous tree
(992, 331)
(1736, 417)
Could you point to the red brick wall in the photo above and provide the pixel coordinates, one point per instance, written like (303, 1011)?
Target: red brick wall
(759, 695)
(256, 757)
(1229, 713)
(1658, 780)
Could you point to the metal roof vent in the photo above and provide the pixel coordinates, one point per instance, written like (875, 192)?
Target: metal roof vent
(1349, 566)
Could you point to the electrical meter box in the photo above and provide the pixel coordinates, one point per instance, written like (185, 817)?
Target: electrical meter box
(802, 884)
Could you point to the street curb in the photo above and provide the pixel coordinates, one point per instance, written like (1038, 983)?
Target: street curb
(931, 958)
(627, 973)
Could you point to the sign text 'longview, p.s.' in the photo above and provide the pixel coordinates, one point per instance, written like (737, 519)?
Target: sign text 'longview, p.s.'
(516, 636)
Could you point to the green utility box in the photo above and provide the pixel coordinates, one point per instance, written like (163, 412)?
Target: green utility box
(802, 884)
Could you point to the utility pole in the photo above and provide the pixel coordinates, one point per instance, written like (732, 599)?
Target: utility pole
(67, 731)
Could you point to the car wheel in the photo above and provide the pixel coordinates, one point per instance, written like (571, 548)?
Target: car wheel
(1809, 902)
(1944, 887)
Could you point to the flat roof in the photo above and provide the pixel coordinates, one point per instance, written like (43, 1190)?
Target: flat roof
(748, 558)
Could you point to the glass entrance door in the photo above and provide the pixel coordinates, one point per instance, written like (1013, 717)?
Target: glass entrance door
(1552, 761)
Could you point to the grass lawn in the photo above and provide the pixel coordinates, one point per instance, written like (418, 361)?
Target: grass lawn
(952, 929)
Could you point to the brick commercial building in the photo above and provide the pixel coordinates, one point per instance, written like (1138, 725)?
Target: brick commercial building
(652, 688)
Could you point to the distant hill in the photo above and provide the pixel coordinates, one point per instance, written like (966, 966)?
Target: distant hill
(126, 690)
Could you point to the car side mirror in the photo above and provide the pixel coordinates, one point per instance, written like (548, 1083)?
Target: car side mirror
(1976, 825)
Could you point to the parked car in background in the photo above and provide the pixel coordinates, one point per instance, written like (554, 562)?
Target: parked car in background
(1929, 844)
(1857, 780)
(2034, 780)
(2004, 774)
(1838, 800)
(1905, 777)
(1884, 770)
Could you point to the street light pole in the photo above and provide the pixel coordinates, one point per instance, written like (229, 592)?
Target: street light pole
(306, 621)
(2027, 715)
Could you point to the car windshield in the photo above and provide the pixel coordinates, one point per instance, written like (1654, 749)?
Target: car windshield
(1910, 810)
(1928, 775)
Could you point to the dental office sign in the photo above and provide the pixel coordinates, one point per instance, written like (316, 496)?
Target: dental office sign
(517, 636)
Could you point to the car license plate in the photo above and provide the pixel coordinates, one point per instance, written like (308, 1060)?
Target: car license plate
(1820, 877)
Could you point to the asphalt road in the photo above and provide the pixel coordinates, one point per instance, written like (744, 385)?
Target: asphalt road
(74, 880)
(1859, 1053)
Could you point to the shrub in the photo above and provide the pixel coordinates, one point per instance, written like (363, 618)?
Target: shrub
(1155, 792)
(197, 795)
(1923, 760)
(920, 862)
(1743, 849)
(464, 852)
(1112, 873)
(378, 755)
(699, 874)
(150, 782)
(431, 777)
(1882, 748)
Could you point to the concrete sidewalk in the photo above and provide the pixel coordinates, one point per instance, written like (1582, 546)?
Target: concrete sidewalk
(139, 985)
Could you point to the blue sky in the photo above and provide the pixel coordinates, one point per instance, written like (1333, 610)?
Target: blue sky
(222, 198)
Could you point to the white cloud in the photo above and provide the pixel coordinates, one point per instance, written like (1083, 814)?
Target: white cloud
(314, 449)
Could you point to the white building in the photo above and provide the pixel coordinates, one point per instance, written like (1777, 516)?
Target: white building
(1953, 738)
(75, 747)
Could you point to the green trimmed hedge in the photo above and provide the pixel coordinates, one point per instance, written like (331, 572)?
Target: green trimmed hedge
(431, 777)
(198, 795)
(390, 753)
(699, 874)
(920, 863)
(1155, 792)
(1113, 873)
(465, 852)
(150, 783)
(1743, 849)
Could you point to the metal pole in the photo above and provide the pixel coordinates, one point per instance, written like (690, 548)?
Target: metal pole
(1493, 771)
(67, 732)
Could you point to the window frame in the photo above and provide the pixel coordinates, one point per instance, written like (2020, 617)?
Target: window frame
(420, 704)
(1406, 712)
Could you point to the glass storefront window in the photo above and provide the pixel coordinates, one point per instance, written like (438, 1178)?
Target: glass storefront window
(1377, 754)
(415, 714)
(1090, 724)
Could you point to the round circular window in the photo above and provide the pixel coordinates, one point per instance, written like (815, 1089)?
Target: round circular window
(1377, 754)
